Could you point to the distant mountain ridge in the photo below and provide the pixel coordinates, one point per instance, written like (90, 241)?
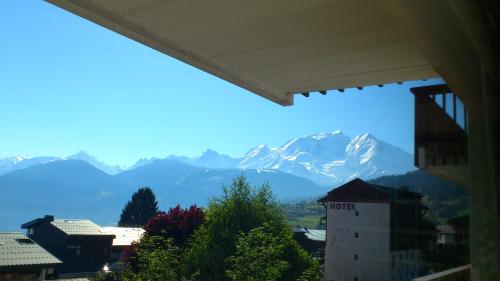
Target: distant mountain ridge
(10, 164)
(327, 158)
(76, 189)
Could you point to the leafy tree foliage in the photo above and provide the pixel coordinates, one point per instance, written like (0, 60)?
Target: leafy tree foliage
(241, 209)
(139, 209)
(178, 224)
(270, 253)
(157, 259)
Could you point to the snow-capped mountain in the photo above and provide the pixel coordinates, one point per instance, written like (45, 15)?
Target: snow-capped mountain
(84, 156)
(331, 158)
(9, 164)
(209, 159)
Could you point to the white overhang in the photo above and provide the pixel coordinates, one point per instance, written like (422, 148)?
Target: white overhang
(272, 48)
(280, 48)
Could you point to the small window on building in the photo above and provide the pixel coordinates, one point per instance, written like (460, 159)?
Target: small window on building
(356, 213)
(355, 257)
(355, 278)
(356, 235)
(24, 241)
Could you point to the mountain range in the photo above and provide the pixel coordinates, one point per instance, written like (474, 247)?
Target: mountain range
(324, 158)
(80, 186)
(76, 189)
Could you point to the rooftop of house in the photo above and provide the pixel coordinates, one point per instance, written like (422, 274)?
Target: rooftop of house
(312, 234)
(69, 226)
(124, 236)
(18, 250)
(359, 190)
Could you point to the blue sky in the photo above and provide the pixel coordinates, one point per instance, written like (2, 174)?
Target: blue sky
(67, 85)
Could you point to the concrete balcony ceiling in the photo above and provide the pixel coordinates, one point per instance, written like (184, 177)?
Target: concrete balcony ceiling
(276, 48)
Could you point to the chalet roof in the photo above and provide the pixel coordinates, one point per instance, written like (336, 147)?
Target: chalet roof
(312, 234)
(69, 226)
(359, 190)
(124, 236)
(79, 227)
(18, 250)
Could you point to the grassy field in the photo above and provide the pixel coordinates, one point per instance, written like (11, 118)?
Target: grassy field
(311, 221)
(303, 214)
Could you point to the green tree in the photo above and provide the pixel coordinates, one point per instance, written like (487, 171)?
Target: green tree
(269, 253)
(157, 259)
(139, 209)
(240, 209)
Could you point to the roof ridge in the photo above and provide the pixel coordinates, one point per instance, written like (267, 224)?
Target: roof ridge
(72, 220)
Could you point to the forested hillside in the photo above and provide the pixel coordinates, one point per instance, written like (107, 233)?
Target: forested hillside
(444, 200)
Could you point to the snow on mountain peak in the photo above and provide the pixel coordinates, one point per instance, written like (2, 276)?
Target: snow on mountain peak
(331, 158)
(327, 158)
(319, 136)
(337, 132)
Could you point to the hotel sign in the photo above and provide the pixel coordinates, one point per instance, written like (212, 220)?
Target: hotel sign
(342, 206)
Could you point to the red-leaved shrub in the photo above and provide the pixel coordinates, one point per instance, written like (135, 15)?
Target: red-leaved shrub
(178, 224)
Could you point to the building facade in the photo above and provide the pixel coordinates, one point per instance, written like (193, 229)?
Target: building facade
(373, 233)
(80, 244)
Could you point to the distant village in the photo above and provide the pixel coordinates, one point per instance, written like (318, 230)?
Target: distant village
(369, 232)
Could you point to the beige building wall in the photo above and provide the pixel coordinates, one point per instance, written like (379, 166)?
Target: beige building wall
(358, 242)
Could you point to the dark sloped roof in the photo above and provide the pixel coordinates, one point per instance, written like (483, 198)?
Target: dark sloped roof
(69, 226)
(358, 190)
(18, 250)
(79, 227)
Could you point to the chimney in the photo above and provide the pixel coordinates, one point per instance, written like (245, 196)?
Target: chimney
(48, 218)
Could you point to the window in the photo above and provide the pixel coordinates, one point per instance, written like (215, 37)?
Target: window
(355, 257)
(356, 235)
(356, 213)
(355, 278)
(77, 249)
(24, 241)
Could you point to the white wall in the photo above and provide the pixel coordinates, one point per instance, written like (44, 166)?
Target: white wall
(372, 245)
